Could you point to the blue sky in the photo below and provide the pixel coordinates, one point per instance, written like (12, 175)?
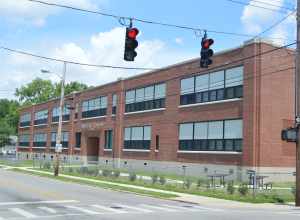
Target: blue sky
(96, 39)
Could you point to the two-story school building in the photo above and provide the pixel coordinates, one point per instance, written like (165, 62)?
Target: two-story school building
(224, 119)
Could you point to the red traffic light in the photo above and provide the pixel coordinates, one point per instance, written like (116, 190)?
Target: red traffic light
(132, 33)
(207, 43)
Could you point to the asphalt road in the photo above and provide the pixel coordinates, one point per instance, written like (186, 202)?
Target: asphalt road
(30, 197)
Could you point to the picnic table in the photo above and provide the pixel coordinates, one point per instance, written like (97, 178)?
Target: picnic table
(214, 177)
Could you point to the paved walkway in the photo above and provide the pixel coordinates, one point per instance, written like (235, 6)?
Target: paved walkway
(201, 200)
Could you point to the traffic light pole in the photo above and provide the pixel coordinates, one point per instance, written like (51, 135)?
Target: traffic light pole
(297, 105)
(58, 146)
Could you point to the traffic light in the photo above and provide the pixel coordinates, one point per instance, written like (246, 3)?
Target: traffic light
(131, 43)
(206, 52)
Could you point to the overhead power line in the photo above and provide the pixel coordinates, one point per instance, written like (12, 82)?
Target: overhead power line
(120, 18)
(274, 5)
(72, 62)
(279, 10)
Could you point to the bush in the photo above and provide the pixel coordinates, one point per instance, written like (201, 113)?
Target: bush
(243, 189)
(116, 173)
(83, 170)
(293, 190)
(230, 188)
(200, 182)
(154, 178)
(93, 171)
(70, 170)
(278, 199)
(47, 165)
(132, 177)
(187, 183)
(106, 172)
(162, 180)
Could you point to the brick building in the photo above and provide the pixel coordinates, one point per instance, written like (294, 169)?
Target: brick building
(226, 118)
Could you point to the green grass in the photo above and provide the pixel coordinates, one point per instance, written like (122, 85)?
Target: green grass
(17, 163)
(274, 196)
(102, 185)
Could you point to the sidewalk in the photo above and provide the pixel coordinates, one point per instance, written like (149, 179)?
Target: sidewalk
(182, 197)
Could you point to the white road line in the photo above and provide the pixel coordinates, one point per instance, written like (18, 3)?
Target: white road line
(109, 209)
(86, 211)
(23, 213)
(182, 208)
(135, 208)
(159, 208)
(37, 202)
(49, 210)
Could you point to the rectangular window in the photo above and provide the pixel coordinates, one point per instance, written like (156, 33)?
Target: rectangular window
(41, 117)
(56, 113)
(39, 140)
(114, 104)
(108, 139)
(157, 142)
(94, 107)
(215, 86)
(146, 98)
(138, 138)
(25, 120)
(211, 136)
(24, 140)
(64, 139)
(78, 139)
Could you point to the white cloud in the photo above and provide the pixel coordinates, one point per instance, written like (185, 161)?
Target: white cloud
(103, 48)
(25, 11)
(255, 20)
(178, 40)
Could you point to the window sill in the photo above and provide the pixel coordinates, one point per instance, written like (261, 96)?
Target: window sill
(58, 122)
(77, 148)
(145, 111)
(23, 147)
(107, 150)
(135, 150)
(83, 119)
(25, 126)
(208, 152)
(38, 147)
(156, 151)
(210, 103)
(40, 125)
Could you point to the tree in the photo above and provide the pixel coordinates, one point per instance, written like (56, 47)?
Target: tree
(40, 90)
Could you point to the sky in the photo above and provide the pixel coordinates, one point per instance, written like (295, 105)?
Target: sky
(95, 39)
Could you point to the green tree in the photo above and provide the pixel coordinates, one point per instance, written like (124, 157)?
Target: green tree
(40, 90)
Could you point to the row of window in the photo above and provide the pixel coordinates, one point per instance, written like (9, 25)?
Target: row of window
(215, 86)
(224, 135)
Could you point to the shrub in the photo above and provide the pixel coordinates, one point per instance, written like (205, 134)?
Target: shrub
(278, 199)
(83, 170)
(70, 170)
(187, 183)
(230, 188)
(293, 190)
(243, 189)
(47, 165)
(132, 177)
(154, 178)
(116, 173)
(106, 172)
(93, 172)
(162, 180)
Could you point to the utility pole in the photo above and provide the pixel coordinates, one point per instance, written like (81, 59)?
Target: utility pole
(58, 146)
(297, 105)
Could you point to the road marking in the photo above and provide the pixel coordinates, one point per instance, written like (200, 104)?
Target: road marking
(23, 213)
(50, 210)
(159, 208)
(37, 202)
(135, 208)
(181, 208)
(109, 209)
(90, 212)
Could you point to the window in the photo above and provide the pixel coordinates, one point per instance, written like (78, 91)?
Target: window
(215, 86)
(56, 113)
(147, 98)
(25, 120)
(108, 139)
(64, 139)
(40, 140)
(157, 142)
(211, 136)
(24, 140)
(78, 139)
(94, 107)
(138, 138)
(41, 117)
(114, 104)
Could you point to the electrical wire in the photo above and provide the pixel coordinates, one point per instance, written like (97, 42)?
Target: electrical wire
(118, 17)
(274, 5)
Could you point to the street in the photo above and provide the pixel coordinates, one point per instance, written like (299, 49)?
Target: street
(30, 197)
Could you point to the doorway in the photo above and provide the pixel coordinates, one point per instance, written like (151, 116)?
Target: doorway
(93, 149)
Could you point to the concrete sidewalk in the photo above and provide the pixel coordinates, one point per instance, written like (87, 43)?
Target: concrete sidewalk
(183, 197)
